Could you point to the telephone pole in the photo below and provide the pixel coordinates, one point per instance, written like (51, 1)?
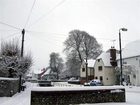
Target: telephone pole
(22, 45)
(22, 50)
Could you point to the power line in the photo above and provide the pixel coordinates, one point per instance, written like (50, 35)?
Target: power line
(48, 12)
(54, 34)
(9, 25)
(7, 30)
(30, 13)
(48, 40)
(11, 35)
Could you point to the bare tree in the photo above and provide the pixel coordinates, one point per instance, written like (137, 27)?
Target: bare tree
(82, 45)
(73, 65)
(85, 45)
(56, 63)
(73, 43)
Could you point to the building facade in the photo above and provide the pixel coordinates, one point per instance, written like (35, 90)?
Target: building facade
(131, 63)
(105, 67)
(90, 71)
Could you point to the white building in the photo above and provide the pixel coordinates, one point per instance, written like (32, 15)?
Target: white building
(131, 63)
(105, 67)
(90, 70)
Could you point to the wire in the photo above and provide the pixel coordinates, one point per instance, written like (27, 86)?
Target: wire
(48, 12)
(30, 13)
(54, 34)
(11, 35)
(7, 30)
(48, 40)
(9, 25)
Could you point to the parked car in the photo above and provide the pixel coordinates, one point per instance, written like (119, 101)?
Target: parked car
(94, 82)
(44, 83)
(74, 80)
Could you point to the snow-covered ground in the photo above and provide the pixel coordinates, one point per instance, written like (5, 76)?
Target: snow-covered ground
(23, 98)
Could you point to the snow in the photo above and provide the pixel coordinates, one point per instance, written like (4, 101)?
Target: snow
(91, 63)
(23, 98)
(131, 50)
(77, 88)
(105, 56)
(3, 78)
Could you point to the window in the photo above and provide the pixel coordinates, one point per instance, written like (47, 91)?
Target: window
(98, 60)
(96, 77)
(124, 62)
(100, 68)
(83, 69)
(101, 78)
(134, 76)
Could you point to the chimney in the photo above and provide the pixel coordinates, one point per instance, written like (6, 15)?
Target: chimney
(113, 61)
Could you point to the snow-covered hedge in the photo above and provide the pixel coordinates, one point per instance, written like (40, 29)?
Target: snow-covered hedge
(8, 86)
(76, 95)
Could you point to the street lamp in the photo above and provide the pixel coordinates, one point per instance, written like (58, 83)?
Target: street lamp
(121, 29)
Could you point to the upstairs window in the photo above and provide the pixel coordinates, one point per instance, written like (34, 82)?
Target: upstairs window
(83, 69)
(100, 68)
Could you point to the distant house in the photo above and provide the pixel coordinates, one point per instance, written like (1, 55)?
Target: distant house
(131, 63)
(90, 64)
(105, 67)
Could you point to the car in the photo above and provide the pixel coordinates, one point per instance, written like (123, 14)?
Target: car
(44, 83)
(74, 80)
(94, 82)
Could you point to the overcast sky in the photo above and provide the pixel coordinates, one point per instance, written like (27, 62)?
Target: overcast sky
(48, 22)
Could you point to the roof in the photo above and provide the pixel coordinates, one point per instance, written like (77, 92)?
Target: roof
(47, 72)
(131, 49)
(91, 63)
(105, 56)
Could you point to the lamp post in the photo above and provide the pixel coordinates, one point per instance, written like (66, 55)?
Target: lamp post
(121, 29)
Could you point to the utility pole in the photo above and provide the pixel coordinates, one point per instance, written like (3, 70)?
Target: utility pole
(86, 70)
(121, 74)
(22, 49)
(22, 45)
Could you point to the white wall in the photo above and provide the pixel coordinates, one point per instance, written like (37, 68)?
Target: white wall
(108, 73)
(90, 71)
(134, 62)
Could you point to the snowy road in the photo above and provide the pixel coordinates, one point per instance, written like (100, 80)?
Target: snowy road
(23, 98)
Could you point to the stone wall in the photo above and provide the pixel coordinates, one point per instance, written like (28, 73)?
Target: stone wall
(77, 96)
(8, 87)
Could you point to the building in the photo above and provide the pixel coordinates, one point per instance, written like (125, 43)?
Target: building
(105, 67)
(90, 64)
(131, 63)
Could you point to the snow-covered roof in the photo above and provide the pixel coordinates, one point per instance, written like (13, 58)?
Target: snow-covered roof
(47, 72)
(91, 63)
(131, 49)
(105, 56)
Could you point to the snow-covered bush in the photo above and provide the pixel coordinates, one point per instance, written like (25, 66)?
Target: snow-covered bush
(11, 64)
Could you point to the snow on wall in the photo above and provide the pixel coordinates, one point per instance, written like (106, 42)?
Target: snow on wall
(76, 88)
(3, 78)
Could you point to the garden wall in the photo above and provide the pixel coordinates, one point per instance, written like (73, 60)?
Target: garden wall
(82, 95)
(8, 86)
